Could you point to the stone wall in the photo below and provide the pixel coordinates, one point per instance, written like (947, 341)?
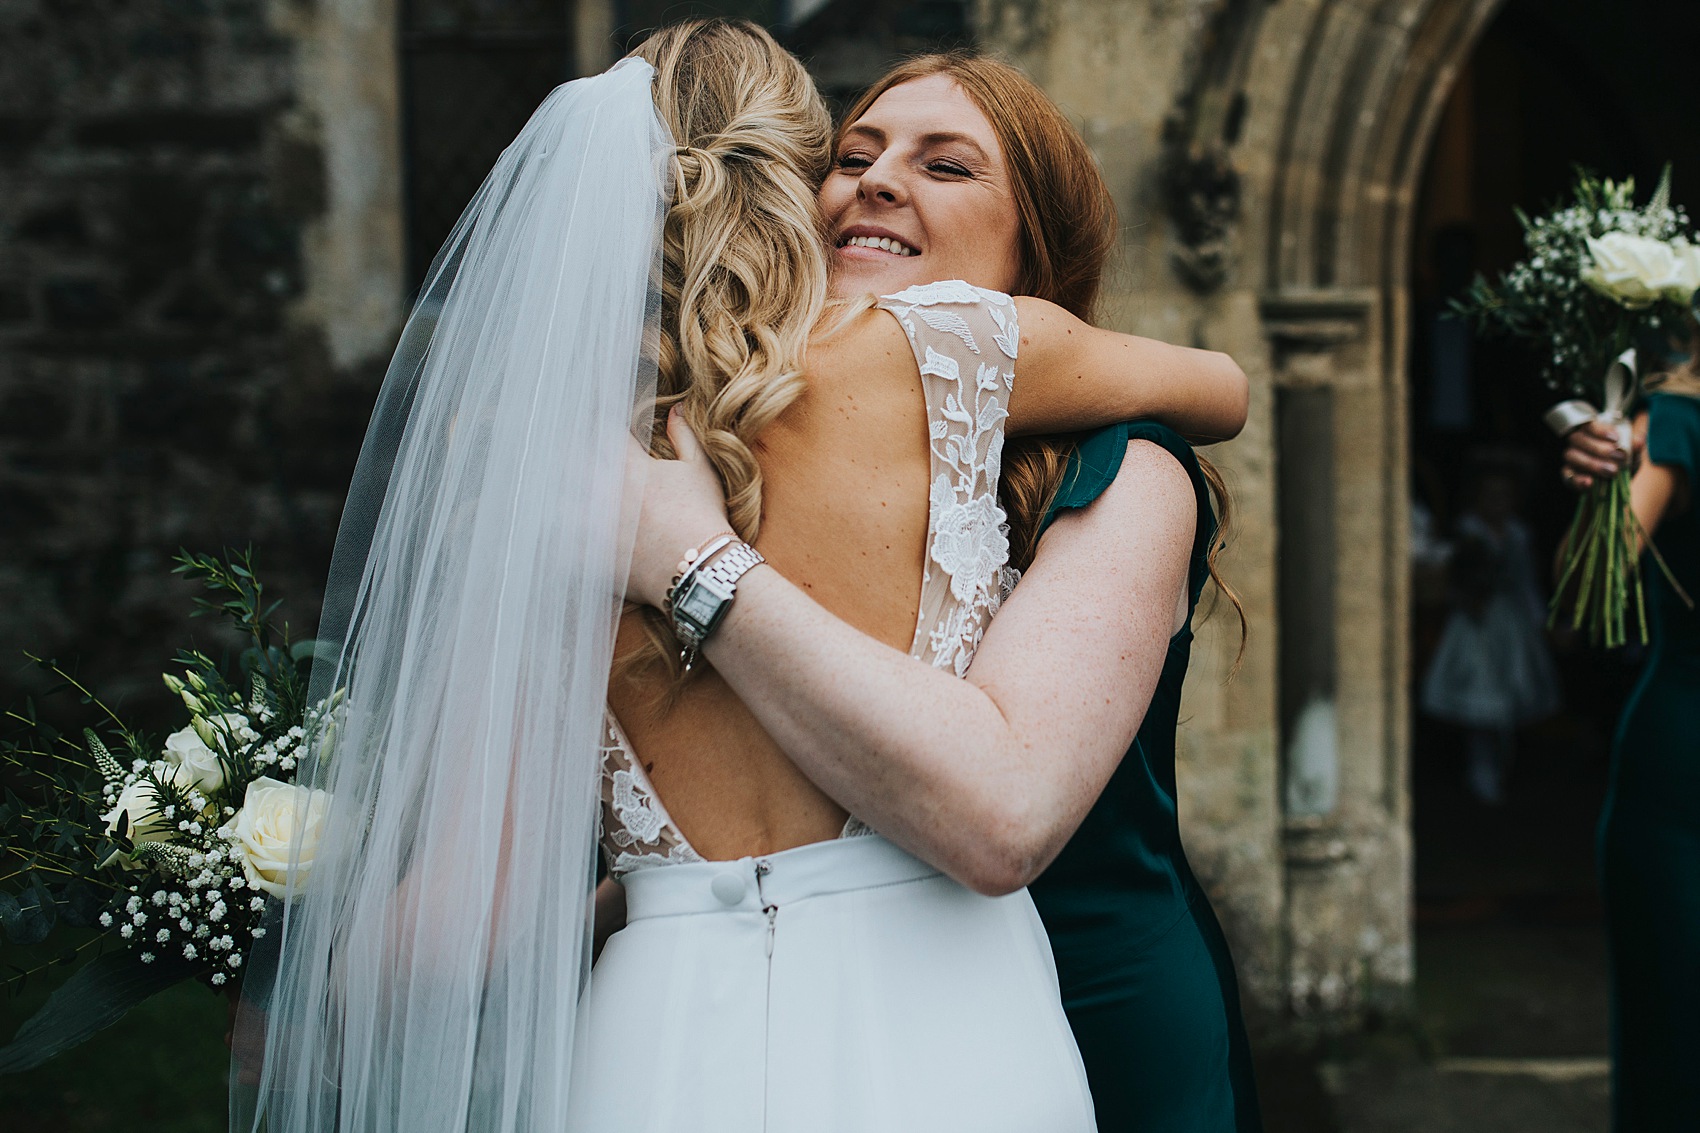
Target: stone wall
(1264, 157)
(160, 385)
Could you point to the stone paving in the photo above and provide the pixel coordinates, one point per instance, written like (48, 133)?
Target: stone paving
(1378, 1094)
(1508, 1025)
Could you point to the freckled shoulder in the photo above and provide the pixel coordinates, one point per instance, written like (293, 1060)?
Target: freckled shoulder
(871, 350)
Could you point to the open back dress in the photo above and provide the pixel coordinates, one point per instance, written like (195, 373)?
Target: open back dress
(843, 985)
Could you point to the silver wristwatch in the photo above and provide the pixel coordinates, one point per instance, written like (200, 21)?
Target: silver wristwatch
(703, 596)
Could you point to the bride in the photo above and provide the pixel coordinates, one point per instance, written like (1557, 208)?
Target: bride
(773, 975)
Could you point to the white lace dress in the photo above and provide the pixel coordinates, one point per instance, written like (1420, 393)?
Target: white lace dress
(844, 985)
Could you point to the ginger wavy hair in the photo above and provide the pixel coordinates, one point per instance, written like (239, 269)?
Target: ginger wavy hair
(1068, 229)
(744, 261)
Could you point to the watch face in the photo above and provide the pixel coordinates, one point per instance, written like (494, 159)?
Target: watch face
(699, 604)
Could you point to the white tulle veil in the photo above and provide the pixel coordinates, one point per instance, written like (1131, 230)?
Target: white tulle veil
(428, 977)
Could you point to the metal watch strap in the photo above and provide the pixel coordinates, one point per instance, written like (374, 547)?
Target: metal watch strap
(732, 564)
(720, 579)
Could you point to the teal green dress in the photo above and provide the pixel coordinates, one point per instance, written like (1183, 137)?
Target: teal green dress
(1146, 977)
(1649, 842)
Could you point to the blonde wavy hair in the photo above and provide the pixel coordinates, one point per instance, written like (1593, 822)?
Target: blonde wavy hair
(744, 261)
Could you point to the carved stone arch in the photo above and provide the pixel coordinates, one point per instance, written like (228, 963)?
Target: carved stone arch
(1281, 143)
(1365, 98)
(1356, 132)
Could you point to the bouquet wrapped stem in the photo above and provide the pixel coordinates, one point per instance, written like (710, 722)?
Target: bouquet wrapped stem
(1603, 543)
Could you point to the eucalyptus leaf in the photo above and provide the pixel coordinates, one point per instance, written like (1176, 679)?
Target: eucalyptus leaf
(82, 904)
(96, 996)
(36, 915)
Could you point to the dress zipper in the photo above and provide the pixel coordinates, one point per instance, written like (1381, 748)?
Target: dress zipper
(763, 868)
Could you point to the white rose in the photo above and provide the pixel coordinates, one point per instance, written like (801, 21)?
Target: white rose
(193, 762)
(142, 805)
(1686, 272)
(1638, 271)
(267, 827)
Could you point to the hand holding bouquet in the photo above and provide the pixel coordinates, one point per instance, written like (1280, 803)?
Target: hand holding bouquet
(1599, 272)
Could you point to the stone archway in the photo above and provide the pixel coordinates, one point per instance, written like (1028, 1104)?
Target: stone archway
(1354, 139)
(1283, 143)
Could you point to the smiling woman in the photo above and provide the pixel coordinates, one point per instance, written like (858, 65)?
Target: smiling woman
(942, 197)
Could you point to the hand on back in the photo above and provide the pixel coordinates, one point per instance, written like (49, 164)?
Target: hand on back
(683, 505)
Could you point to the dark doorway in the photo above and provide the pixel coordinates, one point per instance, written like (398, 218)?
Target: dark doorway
(1510, 951)
(472, 73)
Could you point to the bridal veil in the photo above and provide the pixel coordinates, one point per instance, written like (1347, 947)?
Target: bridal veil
(428, 977)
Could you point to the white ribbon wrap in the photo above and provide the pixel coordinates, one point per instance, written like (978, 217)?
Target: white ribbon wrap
(1620, 389)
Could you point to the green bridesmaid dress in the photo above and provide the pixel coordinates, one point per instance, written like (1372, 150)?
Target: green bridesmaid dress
(1649, 843)
(1146, 977)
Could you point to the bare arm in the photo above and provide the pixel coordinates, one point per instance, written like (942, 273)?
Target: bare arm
(985, 777)
(1076, 376)
(1653, 491)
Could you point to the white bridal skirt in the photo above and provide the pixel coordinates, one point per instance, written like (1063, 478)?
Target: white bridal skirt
(843, 985)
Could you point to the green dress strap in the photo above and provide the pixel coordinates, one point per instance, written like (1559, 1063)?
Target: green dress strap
(1097, 460)
(1673, 432)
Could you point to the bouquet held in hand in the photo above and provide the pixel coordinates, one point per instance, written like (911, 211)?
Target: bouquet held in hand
(1599, 273)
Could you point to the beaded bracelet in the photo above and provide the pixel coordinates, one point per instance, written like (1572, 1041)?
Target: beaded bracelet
(694, 558)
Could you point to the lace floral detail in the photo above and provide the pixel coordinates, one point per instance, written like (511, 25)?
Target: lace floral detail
(637, 831)
(964, 338)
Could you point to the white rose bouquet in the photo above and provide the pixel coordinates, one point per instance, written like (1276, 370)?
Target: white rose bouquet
(1600, 272)
(177, 850)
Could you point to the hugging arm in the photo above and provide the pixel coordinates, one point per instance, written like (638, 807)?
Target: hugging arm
(1076, 376)
(985, 777)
